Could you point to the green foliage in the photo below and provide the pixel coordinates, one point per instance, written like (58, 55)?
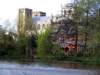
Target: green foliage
(44, 43)
(12, 48)
(58, 53)
(6, 44)
(23, 43)
(87, 14)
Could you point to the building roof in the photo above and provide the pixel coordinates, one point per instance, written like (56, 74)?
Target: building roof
(67, 30)
(45, 18)
(25, 9)
(68, 43)
(39, 12)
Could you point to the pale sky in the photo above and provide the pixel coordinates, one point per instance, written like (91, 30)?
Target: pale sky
(9, 8)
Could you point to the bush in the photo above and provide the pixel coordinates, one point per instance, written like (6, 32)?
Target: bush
(58, 53)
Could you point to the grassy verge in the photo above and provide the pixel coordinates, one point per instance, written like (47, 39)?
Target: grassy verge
(83, 59)
(67, 58)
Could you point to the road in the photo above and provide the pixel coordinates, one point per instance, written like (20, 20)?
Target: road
(19, 71)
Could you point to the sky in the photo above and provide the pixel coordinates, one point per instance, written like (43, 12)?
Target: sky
(9, 8)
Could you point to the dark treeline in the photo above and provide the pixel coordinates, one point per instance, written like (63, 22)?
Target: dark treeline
(14, 46)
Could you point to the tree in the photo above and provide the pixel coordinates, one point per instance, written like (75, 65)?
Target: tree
(7, 44)
(44, 43)
(89, 16)
(2, 33)
(24, 46)
(95, 28)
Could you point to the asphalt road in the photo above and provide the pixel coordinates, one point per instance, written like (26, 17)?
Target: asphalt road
(17, 71)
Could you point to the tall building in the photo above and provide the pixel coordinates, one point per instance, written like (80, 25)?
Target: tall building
(67, 10)
(32, 22)
(64, 32)
(24, 20)
(36, 22)
(40, 23)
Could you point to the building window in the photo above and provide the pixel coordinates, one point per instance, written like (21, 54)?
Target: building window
(69, 11)
(56, 18)
(28, 14)
(47, 25)
(38, 27)
(35, 15)
(65, 12)
(21, 12)
(43, 26)
(61, 39)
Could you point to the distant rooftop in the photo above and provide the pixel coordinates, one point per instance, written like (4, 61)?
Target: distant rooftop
(25, 8)
(39, 12)
(41, 18)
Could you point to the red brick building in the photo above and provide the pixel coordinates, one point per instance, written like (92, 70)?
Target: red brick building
(66, 37)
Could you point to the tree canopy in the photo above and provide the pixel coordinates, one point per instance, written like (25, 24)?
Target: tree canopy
(44, 43)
